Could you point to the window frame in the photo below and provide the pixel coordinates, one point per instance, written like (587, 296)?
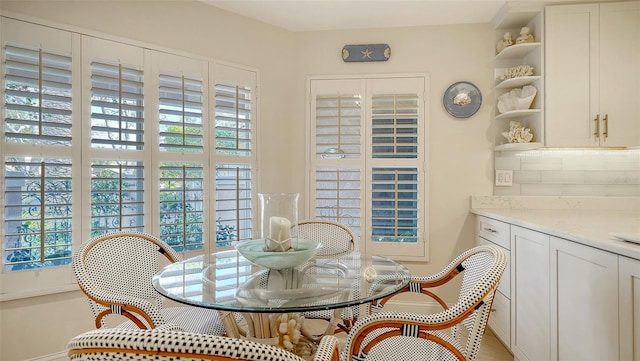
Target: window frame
(49, 280)
(366, 86)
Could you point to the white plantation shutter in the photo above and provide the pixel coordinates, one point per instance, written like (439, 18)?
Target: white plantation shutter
(38, 212)
(338, 118)
(397, 183)
(181, 113)
(233, 203)
(337, 195)
(368, 147)
(233, 119)
(181, 159)
(115, 128)
(182, 205)
(117, 105)
(100, 136)
(37, 95)
(236, 160)
(337, 152)
(394, 126)
(394, 200)
(40, 191)
(117, 194)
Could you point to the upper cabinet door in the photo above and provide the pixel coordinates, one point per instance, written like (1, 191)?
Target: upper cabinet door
(620, 73)
(593, 74)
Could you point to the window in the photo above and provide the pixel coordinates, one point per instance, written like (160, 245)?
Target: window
(368, 145)
(181, 152)
(236, 159)
(116, 129)
(40, 219)
(101, 136)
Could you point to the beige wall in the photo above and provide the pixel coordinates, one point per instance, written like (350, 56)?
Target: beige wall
(460, 160)
(460, 151)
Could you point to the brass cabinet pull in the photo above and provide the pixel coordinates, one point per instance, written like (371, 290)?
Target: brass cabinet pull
(606, 126)
(597, 132)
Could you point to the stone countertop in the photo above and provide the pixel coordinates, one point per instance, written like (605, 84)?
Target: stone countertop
(581, 220)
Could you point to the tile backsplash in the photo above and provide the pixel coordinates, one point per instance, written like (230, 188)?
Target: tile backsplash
(571, 172)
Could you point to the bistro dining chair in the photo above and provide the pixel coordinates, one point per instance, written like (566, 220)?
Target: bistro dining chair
(114, 271)
(455, 333)
(170, 343)
(336, 238)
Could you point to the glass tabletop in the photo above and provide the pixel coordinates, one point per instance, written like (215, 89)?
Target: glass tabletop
(227, 281)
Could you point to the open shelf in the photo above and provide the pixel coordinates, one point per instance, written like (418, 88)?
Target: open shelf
(511, 19)
(518, 146)
(518, 114)
(517, 51)
(517, 82)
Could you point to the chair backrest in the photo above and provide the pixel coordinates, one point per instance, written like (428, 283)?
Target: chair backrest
(481, 268)
(335, 237)
(115, 270)
(161, 344)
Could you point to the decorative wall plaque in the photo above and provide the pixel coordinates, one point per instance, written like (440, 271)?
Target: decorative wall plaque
(462, 99)
(366, 52)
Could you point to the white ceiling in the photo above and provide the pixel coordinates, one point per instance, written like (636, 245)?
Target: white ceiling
(315, 15)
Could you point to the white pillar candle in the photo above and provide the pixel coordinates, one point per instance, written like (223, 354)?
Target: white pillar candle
(280, 228)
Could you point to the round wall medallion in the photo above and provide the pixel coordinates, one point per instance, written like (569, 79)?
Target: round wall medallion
(462, 99)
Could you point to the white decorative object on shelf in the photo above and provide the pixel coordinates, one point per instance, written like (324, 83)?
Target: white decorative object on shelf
(525, 36)
(507, 40)
(517, 71)
(517, 133)
(517, 99)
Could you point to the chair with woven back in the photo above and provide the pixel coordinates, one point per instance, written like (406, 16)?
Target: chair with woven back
(336, 238)
(114, 271)
(455, 333)
(168, 343)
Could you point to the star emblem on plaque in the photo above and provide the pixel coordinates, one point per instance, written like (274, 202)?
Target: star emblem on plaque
(366, 52)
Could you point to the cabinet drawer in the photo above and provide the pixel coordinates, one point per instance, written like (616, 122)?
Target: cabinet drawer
(494, 231)
(505, 282)
(500, 318)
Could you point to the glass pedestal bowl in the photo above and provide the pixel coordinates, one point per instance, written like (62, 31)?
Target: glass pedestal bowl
(253, 250)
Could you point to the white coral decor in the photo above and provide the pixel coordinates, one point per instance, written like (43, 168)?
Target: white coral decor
(517, 133)
(517, 99)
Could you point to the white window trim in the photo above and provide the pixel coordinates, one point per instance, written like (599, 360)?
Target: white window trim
(51, 280)
(421, 251)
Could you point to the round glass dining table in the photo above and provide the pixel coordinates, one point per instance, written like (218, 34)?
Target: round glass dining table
(227, 282)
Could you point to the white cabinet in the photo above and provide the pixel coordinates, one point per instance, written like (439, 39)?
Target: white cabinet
(592, 74)
(629, 289)
(530, 286)
(567, 300)
(490, 231)
(584, 301)
(512, 20)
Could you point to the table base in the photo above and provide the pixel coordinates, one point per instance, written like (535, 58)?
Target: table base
(263, 327)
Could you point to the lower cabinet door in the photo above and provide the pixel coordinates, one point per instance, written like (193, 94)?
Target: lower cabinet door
(500, 318)
(584, 301)
(629, 279)
(530, 320)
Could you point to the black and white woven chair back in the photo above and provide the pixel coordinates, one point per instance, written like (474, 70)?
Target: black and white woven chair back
(335, 237)
(115, 272)
(164, 344)
(121, 263)
(438, 336)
